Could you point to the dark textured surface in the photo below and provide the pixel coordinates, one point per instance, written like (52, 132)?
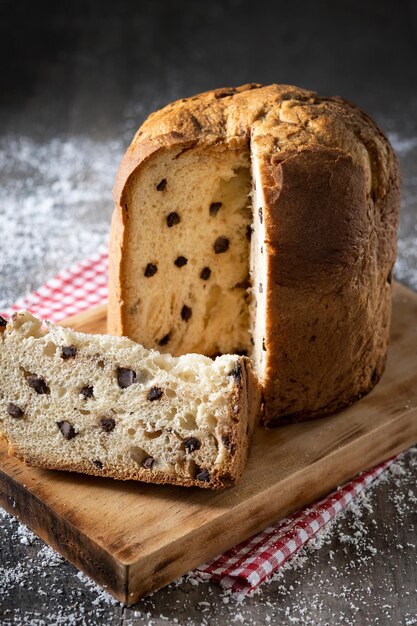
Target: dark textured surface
(77, 80)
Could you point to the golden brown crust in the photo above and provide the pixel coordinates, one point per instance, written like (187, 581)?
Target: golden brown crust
(332, 200)
(334, 407)
(327, 277)
(140, 474)
(244, 417)
(276, 117)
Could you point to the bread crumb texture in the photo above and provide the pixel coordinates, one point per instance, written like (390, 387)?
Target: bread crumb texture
(107, 406)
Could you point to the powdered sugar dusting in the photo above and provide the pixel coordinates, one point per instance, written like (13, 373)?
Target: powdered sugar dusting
(35, 574)
(61, 191)
(406, 266)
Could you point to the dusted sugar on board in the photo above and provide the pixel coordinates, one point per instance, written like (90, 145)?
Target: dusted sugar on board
(107, 406)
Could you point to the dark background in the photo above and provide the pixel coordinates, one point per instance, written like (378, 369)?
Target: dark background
(77, 78)
(119, 55)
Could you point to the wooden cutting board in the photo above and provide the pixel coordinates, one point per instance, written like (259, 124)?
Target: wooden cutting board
(134, 538)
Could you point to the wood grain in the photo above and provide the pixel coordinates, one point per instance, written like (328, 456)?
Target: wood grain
(135, 538)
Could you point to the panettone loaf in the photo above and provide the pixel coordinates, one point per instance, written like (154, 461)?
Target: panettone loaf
(261, 220)
(106, 406)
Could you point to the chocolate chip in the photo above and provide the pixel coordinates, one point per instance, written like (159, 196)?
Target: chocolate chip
(164, 340)
(98, 464)
(162, 185)
(14, 410)
(186, 312)
(205, 273)
(236, 371)
(154, 393)
(263, 344)
(68, 352)
(389, 278)
(203, 475)
(87, 392)
(38, 384)
(66, 429)
(173, 219)
(260, 288)
(227, 479)
(148, 462)
(180, 261)
(244, 284)
(249, 232)
(107, 424)
(228, 444)
(192, 444)
(150, 270)
(214, 208)
(221, 245)
(261, 217)
(3, 322)
(125, 377)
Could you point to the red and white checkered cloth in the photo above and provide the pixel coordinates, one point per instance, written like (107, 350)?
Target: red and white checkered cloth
(246, 566)
(76, 289)
(243, 568)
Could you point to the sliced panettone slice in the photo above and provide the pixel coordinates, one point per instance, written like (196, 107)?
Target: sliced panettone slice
(107, 406)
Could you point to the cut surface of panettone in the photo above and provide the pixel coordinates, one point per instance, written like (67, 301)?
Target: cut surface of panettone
(107, 406)
(192, 267)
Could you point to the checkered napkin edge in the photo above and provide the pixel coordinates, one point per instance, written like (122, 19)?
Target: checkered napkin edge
(246, 566)
(76, 289)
